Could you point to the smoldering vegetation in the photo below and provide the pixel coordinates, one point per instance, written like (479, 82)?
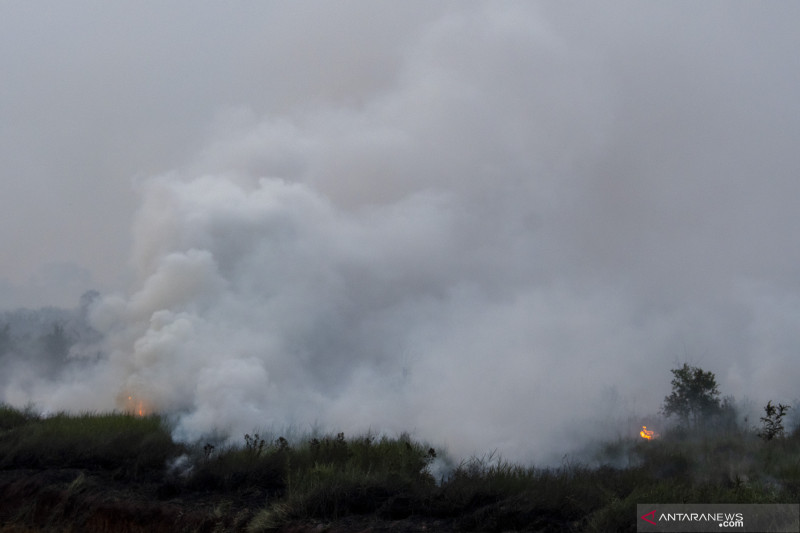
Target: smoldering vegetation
(500, 219)
(132, 471)
(495, 230)
(111, 472)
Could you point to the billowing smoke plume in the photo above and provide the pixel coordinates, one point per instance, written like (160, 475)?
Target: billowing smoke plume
(524, 233)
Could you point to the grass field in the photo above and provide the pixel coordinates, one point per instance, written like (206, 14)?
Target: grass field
(120, 472)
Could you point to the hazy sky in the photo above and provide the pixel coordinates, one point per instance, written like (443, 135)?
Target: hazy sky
(674, 111)
(453, 194)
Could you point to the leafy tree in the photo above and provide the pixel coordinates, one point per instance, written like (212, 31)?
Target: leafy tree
(695, 395)
(773, 421)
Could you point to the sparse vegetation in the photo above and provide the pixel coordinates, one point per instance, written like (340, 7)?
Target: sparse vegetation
(71, 469)
(773, 421)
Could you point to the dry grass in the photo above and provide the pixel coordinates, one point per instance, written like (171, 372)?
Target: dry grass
(118, 468)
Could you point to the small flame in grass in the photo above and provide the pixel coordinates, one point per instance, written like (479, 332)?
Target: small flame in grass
(648, 434)
(137, 407)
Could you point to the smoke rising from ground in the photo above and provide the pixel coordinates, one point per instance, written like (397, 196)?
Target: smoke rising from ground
(521, 228)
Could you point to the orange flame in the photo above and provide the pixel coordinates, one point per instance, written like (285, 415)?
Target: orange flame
(136, 406)
(648, 434)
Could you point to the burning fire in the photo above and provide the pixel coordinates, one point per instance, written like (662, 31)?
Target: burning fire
(648, 434)
(136, 406)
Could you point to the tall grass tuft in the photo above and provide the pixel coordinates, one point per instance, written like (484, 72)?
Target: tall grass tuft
(124, 443)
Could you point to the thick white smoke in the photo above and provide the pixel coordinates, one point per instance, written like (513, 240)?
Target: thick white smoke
(514, 239)
(263, 303)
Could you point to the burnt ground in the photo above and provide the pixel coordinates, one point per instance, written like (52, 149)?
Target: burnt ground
(74, 500)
